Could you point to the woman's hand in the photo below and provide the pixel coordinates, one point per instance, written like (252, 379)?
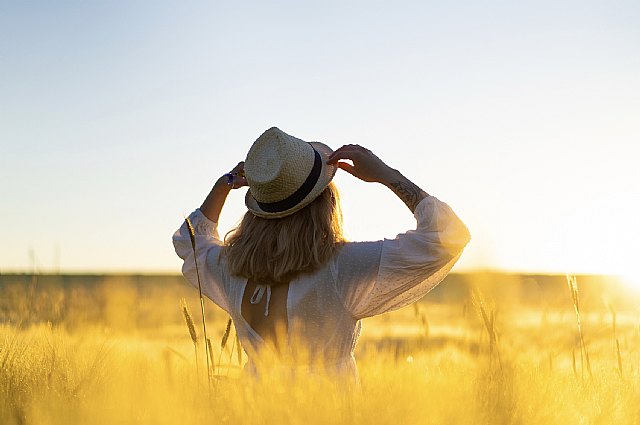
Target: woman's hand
(366, 166)
(238, 180)
(212, 205)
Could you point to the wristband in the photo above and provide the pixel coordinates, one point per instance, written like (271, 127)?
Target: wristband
(229, 177)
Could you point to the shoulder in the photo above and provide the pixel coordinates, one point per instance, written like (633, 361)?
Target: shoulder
(359, 249)
(357, 257)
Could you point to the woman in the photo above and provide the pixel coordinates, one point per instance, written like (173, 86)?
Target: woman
(294, 288)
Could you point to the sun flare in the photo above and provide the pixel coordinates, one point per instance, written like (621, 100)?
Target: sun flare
(630, 280)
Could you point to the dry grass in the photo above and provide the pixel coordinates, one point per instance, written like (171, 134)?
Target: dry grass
(572, 281)
(191, 327)
(442, 370)
(207, 354)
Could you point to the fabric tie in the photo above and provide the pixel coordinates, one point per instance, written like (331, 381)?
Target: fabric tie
(259, 293)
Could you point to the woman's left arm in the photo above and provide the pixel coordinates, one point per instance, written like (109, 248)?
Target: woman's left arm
(212, 205)
(410, 265)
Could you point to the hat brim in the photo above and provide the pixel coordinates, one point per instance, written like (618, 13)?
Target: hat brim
(326, 175)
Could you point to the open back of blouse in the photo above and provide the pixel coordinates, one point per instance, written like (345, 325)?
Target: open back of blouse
(316, 317)
(264, 308)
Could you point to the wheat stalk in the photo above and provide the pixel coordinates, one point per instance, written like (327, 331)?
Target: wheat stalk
(615, 337)
(189, 320)
(223, 342)
(210, 352)
(619, 358)
(192, 236)
(239, 348)
(572, 282)
(192, 330)
(489, 323)
(225, 337)
(418, 313)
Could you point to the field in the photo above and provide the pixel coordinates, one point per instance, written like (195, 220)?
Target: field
(485, 348)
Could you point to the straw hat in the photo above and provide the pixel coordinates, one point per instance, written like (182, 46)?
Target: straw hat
(285, 173)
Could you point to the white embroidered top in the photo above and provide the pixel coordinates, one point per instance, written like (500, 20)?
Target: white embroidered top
(362, 280)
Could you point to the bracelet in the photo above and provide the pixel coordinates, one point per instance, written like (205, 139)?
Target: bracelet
(229, 177)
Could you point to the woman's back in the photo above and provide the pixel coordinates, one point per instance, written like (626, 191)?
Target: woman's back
(267, 314)
(294, 290)
(314, 320)
(303, 323)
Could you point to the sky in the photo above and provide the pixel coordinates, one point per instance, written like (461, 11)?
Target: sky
(117, 117)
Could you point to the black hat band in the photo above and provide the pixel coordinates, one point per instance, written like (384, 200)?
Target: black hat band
(296, 197)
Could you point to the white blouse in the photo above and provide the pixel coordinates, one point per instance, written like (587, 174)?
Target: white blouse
(325, 307)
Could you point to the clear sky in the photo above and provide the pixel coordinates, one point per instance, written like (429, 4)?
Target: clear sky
(117, 117)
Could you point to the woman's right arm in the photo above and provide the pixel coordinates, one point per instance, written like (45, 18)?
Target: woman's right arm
(199, 250)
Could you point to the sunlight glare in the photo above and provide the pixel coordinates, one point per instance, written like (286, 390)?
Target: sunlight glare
(631, 280)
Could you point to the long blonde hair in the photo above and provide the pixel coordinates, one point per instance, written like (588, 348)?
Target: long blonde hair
(278, 250)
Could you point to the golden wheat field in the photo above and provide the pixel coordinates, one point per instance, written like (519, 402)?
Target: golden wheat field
(480, 349)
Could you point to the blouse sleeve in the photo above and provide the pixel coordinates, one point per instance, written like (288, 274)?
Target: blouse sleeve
(376, 277)
(207, 248)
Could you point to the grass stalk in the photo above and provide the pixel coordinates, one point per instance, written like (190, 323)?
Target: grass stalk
(192, 236)
(572, 281)
(223, 342)
(615, 337)
(192, 331)
(488, 319)
(239, 349)
(211, 353)
(619, 358)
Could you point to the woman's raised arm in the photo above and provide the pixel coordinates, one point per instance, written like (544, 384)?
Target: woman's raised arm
(375, 277)
(212, 205)
(206, 243)
(369, 168)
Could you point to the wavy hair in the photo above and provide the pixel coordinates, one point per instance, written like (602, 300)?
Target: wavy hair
(279, 249)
